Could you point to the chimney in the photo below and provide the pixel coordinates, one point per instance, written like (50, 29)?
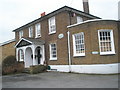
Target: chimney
(42, 14)
(86, 6)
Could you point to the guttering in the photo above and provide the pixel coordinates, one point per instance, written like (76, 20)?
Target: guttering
(69, 56)
(7, 42)
(87, 21)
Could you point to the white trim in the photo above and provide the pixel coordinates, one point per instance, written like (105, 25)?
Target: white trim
(24, 40)
(74, 46)
(52, 18)
(92, 20)
(53, 32)
(112, 42)
(36, 30)
(20, 51)
(89, 69)
(51, 58)
(7, 42)
(20, 34)
(69, 58)
(30, 31)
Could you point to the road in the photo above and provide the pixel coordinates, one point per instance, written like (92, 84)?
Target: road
(59, 80)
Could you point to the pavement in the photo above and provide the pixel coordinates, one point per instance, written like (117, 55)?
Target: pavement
(59, 80)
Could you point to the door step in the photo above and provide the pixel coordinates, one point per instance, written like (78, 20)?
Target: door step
(26, 70)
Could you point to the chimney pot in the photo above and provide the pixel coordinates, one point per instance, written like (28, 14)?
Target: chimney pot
(42, 14)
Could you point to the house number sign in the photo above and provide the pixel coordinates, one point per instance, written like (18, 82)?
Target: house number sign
(60, 36)
(95, 52)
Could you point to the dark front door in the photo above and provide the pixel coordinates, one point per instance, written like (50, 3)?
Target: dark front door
(39, 55)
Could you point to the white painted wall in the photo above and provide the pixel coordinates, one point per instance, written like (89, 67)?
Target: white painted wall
(90, 69)
(28, 59)
(27, 54)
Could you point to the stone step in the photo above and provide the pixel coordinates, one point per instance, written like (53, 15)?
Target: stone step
(26, 70)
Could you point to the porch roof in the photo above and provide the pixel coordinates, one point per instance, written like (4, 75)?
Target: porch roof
(29, 41)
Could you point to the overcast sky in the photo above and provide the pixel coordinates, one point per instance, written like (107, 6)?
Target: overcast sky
(15, 13)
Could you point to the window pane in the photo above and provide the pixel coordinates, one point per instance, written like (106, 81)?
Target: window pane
(52, 26)
(105, 41)
(79, 43)
(53, 53)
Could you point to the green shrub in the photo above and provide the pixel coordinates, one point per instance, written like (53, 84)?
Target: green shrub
(37, 69)
(11, 66)
(16, 68)
(9, 61)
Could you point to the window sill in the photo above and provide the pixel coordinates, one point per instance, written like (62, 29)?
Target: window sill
(108, 53)
(52, 33)
(78, 55)
(54, 59)
(21, 60)
(38, 37)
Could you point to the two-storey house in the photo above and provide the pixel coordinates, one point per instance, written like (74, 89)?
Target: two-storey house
(69, 40)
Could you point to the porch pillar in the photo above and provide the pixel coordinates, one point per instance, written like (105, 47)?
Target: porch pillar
(43, 54)
(24, 49)
(17, 53)
(33, 51)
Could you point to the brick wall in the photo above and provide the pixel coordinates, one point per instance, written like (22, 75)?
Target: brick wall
(7, 50)
(63, 19)
(90, 30)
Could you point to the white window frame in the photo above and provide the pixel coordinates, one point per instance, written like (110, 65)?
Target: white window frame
(20, 34)
(52, 25)
(21, 55)
(37, 30)
(79, 19)
(75, 54)
(31, 31)
(51, 57)
(112, 42)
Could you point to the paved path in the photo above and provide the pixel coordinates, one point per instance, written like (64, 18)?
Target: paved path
(59, 80)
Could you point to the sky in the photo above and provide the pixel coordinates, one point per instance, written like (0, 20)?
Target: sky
(15, 13)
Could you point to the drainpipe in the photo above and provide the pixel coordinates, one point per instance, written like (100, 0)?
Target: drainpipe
(69, 57)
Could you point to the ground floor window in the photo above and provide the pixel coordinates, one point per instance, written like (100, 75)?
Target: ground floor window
(78, 44)
(21, 55)
(106, 42)
(53, 51)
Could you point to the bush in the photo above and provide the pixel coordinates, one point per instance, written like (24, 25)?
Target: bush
(37, 69)
(9, 61)
(10, 65)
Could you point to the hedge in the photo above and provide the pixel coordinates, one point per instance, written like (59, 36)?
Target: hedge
(11, 66)
(37, 69)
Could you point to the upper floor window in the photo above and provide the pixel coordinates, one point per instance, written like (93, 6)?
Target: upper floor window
(79, 19)
(38, 30)
(106, 42)
(20, 34)
(78, 44)
(31, 31)
(53, 51)
(52, 25)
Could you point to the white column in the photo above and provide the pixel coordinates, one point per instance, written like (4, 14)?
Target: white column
(43, 50)
(33, 52)
(24, 49)
(17, 53)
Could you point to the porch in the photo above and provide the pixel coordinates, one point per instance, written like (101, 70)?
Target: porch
(30, 51)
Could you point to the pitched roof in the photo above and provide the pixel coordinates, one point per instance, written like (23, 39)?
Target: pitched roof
(7, 42)
(65, 8)
(30, 41)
